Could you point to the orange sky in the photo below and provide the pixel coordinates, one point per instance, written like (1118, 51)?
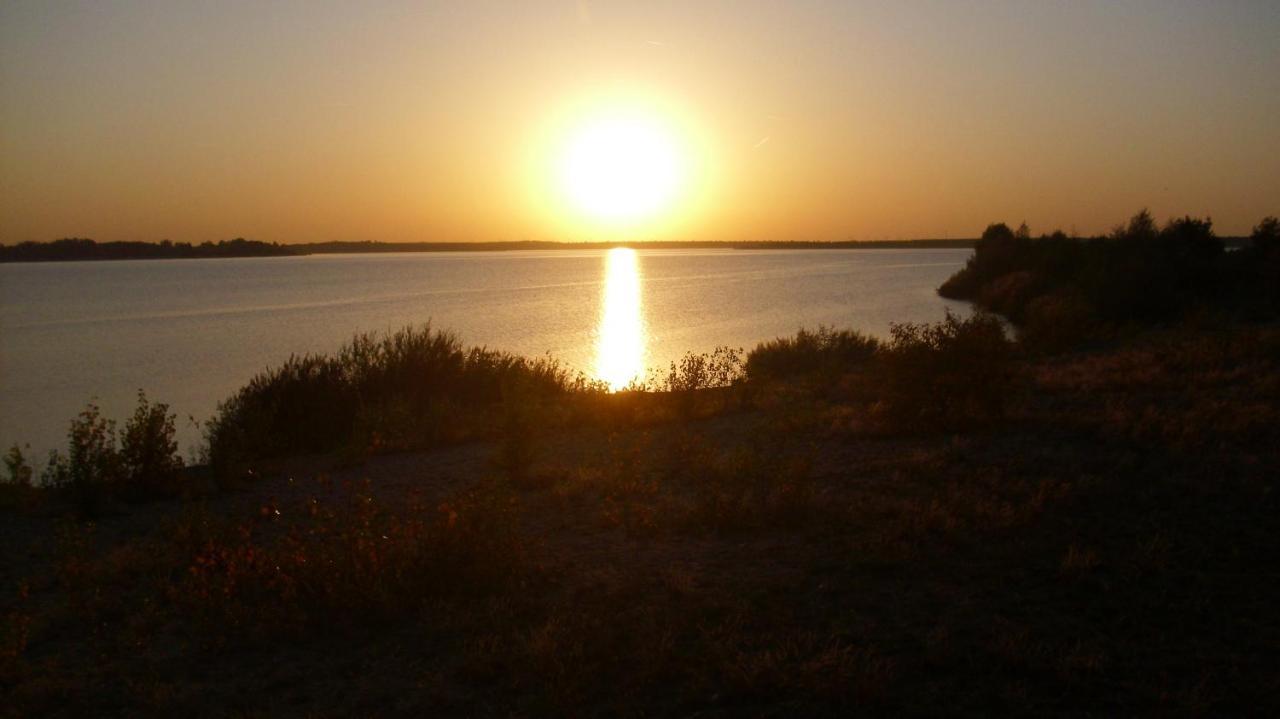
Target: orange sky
(296, 122)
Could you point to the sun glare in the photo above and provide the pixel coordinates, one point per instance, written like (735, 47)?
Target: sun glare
(620, 341)
(622, 167)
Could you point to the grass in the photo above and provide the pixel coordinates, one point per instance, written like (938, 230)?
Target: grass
(945, 522)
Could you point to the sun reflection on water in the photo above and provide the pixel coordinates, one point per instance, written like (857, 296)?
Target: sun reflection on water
(621, 338)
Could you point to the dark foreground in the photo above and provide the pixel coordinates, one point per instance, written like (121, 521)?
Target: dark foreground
(1104, 544)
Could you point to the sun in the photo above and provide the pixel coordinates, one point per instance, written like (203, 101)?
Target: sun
(622, 167)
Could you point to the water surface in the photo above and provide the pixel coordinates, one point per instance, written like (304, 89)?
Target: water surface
(190, 332)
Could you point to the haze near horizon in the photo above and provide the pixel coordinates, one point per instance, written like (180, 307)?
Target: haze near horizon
(602, 121)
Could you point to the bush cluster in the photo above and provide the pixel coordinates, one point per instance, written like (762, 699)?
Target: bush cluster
(945, 374)
(823, 351)
(927, 376)
(141, 462)
(1059, 288)
(411, 388)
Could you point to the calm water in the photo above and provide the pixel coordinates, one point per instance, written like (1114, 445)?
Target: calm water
(190, 332)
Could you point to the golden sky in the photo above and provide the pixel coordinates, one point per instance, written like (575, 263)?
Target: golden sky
(415, 121)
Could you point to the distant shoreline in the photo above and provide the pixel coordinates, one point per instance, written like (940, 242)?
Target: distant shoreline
(79, 250)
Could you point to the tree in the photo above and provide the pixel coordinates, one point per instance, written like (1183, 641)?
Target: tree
(1266, 235)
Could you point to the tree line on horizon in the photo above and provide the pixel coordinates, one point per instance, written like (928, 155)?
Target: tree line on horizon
(79, 248)
(76, 248)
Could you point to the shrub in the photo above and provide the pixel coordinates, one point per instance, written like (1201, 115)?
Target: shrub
(407, 389)
(15, 485)
(945, 374)
(719, 368)
(91, 462)
(825, 351)
(17, 469)
(1057, 322)
(691, 374)
(149, 452)
(140, 463)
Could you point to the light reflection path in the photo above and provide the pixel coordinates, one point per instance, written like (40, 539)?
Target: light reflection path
(620, 344)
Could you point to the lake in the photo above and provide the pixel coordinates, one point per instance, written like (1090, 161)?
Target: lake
(191, 332)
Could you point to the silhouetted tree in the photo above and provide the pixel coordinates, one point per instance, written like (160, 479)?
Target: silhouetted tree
(1137, 273)
(1266, 235)
(1141, 227)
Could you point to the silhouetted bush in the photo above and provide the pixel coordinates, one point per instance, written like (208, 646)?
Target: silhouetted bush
(140, 463)
(945, 374)
(149, 457)
(411, 388)
(15, 486)
(824, 351)
(719, 368)
(18, 471)
(91, 463)
(687, 377)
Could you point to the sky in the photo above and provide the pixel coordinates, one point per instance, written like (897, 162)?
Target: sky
(803, 120)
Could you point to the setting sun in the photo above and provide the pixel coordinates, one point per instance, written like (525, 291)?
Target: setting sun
(621, 167)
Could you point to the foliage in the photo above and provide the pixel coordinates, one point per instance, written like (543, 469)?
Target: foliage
(17, 470)
(689, 378)
(721, 367)
(1057, 322)
(947, 374)
(142, 462)
(826, 351)
(1138, 274)
(16, 489)
(91, 463)
(1266, 235)
(415, 387)
(149, 456)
